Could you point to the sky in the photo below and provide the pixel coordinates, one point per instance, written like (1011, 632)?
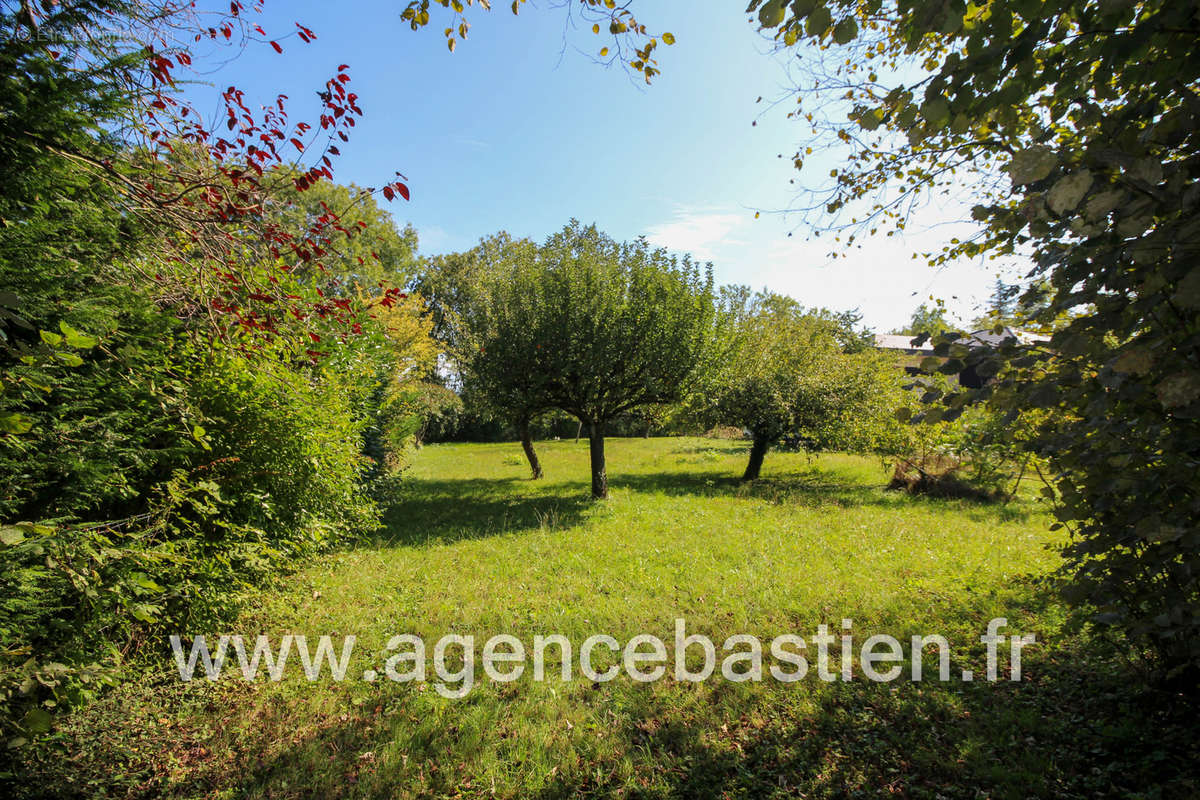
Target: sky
(521, 129)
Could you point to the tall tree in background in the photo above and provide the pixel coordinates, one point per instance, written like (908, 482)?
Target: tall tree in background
(927, 319)
(1077, 125)
(373, 249)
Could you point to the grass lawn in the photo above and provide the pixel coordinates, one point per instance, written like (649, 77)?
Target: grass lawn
(476, 548)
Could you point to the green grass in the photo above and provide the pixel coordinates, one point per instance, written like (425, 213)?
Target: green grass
(476, 548)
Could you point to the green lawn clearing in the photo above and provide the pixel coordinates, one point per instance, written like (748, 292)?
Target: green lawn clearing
(475, 548)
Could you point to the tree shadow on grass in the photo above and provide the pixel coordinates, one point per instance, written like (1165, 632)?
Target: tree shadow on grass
(1078, 726)
(432, 510)
(806, 489)
(454, 510)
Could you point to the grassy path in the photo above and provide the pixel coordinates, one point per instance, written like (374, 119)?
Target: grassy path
(476, 549)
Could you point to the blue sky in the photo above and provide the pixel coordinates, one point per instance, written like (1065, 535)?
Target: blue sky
(520, 130)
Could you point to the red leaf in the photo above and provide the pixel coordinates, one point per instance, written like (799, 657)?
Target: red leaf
(343, 67)
(402, 189)
(278, 49)
(388, 193)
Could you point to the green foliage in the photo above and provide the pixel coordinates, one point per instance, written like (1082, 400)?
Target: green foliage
(284, 446)
(927, 319)
(621, 325)
(977, 453)
(496, 342)
(374, 250)
(589, 326)
(155, 460)
(1081, 120)
(788, 372)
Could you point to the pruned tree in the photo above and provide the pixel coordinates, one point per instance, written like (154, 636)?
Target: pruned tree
(496, 341)
(797, 373)
(598, 328)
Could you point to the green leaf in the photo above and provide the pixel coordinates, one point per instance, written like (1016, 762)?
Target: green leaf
(1031, 165)
(771, 14)
(1180, 389)
(1187, 293)
(936, 112)
(1069, 191)
(818, 21)
(52, 339)
(144, 612)
(144, 581)
(845, 31)
(11, 536)
(37, 720)
(75, 338)
(12, 422)
(1101, 205)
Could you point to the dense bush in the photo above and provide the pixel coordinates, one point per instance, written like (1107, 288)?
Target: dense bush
(160, 477)
(972, 457)
(155, 458)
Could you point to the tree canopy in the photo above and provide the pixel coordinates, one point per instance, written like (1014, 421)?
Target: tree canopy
(592, 327)
(1075, 123)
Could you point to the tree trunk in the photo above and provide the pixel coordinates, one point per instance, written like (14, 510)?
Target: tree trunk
(578, 431)
(599, 475)
(535, 466)
(646, 432)
(757, 452)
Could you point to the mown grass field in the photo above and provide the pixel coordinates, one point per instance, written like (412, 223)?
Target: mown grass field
(476, 548)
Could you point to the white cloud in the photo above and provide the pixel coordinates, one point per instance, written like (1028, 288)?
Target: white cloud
(701, 232)
(877, 275)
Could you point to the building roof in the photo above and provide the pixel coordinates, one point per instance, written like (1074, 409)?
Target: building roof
(897, 341)
(986, 337)
(990, 338)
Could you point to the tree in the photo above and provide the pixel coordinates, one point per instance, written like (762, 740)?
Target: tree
(486, 339)
(598, 328)
(926, 319)
(498, 348)
(376, 252)
(1000, 304)
(1079, 124)
(786, 372)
